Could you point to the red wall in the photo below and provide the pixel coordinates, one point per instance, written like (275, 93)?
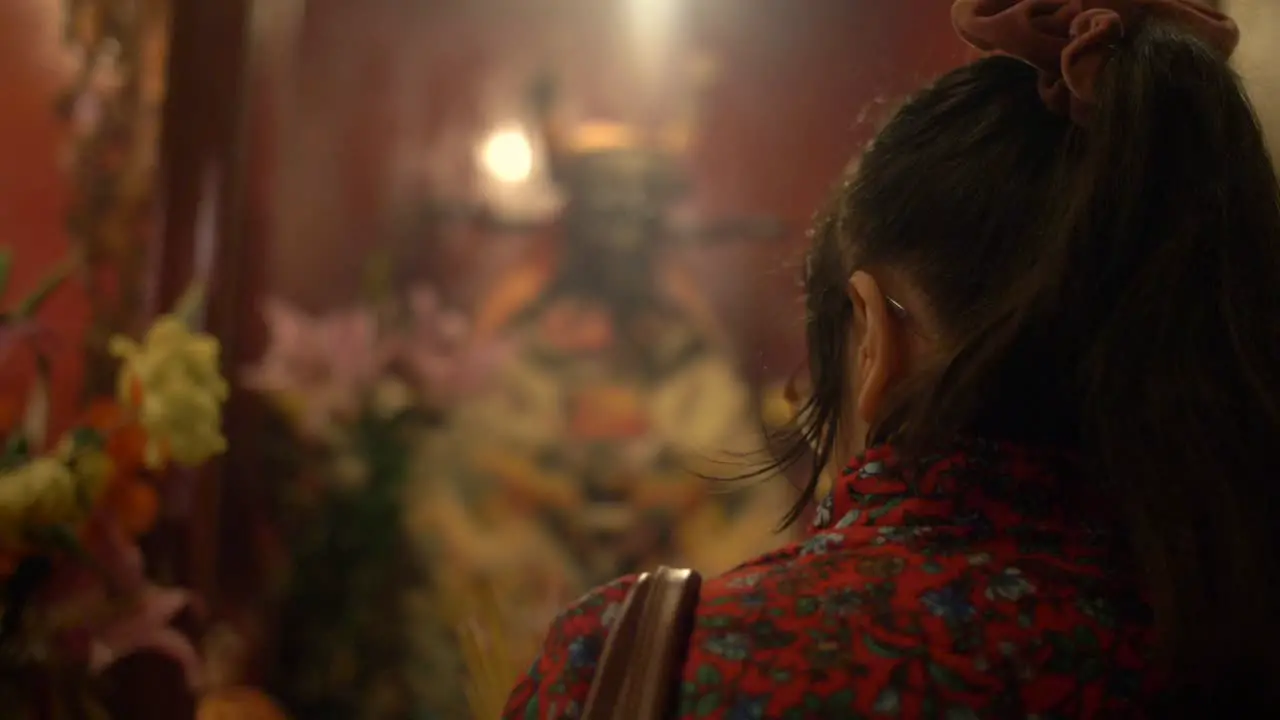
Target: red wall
(381, 78)
(33, 191)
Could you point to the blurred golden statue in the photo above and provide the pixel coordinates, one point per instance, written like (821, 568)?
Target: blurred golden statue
(592, 455)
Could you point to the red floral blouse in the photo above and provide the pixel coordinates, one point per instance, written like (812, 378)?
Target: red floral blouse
(964, 590)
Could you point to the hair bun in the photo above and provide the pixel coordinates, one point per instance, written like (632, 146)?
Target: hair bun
(1069, 41)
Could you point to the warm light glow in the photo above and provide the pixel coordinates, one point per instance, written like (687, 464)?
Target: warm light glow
(507, 155)
(654, 21)
(592, 136)
(654, 26)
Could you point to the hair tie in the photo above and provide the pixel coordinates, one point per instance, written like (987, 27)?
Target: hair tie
(1070, 41)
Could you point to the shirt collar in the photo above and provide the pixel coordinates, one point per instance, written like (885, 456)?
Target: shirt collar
(975, 481)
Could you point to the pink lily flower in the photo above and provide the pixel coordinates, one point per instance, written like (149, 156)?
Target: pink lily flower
(147, 624)
(122, 613)
(325, 365)
(448, 363)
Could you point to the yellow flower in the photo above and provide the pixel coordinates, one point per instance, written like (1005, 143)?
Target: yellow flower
(92, 466)
(42, 493)
(172, 382)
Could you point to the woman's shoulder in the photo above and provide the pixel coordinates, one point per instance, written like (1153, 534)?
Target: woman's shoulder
(557, 684)
(877, 620)
(884, 622)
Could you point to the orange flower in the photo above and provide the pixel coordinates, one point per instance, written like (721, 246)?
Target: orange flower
(126, 441)
(127, 449)
(134, 504)
(128, 495)
(101, 414)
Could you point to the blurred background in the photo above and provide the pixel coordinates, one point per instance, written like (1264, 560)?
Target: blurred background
(506, 292)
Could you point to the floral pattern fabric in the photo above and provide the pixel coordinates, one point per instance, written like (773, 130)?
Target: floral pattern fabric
(967, 588)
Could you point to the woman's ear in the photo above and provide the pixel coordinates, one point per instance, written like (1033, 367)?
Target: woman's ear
(877, 347)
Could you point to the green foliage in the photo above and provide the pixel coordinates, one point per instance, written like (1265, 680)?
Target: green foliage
(6, 267)
(190, 307)
(31, 304)
(16, 452)
(345, 651)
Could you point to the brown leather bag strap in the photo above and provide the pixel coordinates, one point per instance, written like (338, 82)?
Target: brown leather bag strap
(641, 667)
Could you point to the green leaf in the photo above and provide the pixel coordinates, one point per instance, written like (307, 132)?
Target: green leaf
(707, 705)
(190, 307)
(885, 509)
(946, 677)
(688, 695)
(6, 267)
(840, 701)
(883, 649)
(707, 675)
(33, 302)
(16, 452)
(807, 606)
(715, 621)
(87, 438)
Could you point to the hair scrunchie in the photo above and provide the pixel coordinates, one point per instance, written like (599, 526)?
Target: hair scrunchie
(1070, 41)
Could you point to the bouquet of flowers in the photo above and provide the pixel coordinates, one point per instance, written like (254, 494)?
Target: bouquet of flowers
(74, 594)
(359, 392)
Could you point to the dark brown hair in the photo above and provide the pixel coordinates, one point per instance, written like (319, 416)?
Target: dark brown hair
(1114, 289)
